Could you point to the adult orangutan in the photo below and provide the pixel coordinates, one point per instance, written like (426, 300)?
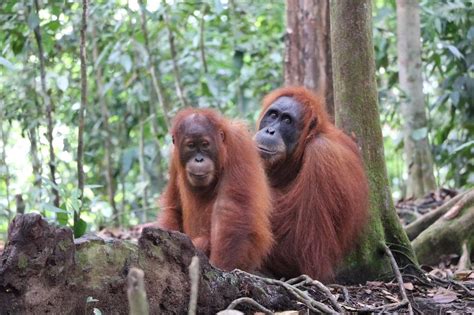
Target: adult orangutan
(320, 191)
(218, 192)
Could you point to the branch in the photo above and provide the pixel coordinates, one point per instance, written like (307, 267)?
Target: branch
(421, 224)
(194, 278)
(136, 292)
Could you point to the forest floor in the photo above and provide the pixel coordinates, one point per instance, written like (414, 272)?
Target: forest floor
(444, 289)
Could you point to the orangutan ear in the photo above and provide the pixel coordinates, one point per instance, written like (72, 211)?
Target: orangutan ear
(172, 138)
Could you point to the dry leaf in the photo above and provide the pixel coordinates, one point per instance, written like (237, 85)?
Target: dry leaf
(443, 296)
(408, 286)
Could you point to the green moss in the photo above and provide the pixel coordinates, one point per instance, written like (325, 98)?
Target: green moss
(104, 262)
(22, 261)
(65, 244)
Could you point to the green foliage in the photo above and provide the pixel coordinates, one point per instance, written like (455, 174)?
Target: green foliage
(243, 47)
(242, 42)
(447, 34)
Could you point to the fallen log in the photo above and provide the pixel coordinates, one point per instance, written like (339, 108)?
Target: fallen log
(43, 270)
(446, 236)
(422, 223)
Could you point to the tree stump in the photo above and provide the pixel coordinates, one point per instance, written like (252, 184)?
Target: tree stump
(44, 270)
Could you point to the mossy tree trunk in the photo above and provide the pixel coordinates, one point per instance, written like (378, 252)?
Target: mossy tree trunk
(416, 145)
(308, 48)
(355, 99)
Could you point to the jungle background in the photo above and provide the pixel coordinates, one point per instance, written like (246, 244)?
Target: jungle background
(148, 60)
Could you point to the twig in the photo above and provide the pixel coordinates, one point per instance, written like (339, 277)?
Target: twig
(452, 282)
(308, 281)
(344, 290)
(194, 277)
(249, 301)
(136, 292)
(300, 295)
(398, 275)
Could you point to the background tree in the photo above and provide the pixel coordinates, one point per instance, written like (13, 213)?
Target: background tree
(418, 157)
(308, 48)
(356, 107)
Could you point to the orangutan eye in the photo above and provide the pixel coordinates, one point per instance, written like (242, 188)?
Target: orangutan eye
(273, 115)
(205, 144)
(191, 145)
(287, 120)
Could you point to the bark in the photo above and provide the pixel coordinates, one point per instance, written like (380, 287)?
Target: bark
(202, 50)
(416, 227)
(42, 270)
(82, 109)
(109, 177)
(446, 236)
(3, 160)
(155, 74)
(237, 52)
(355, 98)
(308, 48)
(143, 173)
(33, 138)
(416, 144)
(49, 110)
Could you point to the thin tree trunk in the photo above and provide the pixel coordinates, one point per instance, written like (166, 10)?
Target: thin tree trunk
(355, 98)
(80, 134)
(421, 178)
(109, 177)
(4, 138)
(308, 48)
(237, 52)
(143, 172)
(155, 74)
(34, 153)
(202, 49)
(49, 110)
(177, 76)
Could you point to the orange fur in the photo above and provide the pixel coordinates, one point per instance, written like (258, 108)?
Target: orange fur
(320, 195)
(230, 223)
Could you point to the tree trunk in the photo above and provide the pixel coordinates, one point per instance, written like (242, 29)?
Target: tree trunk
(49, 109)
(43, 270)
(308, 48)
(355, 98)
(416, 145)
(109, 175)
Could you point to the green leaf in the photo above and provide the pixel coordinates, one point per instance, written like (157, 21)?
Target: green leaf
(80, 226)
(7, 64)
(455, 51)
(62, 218)
(455, 97)
(62, 82)
(419, 134)
(33, 20)
(126, 62)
